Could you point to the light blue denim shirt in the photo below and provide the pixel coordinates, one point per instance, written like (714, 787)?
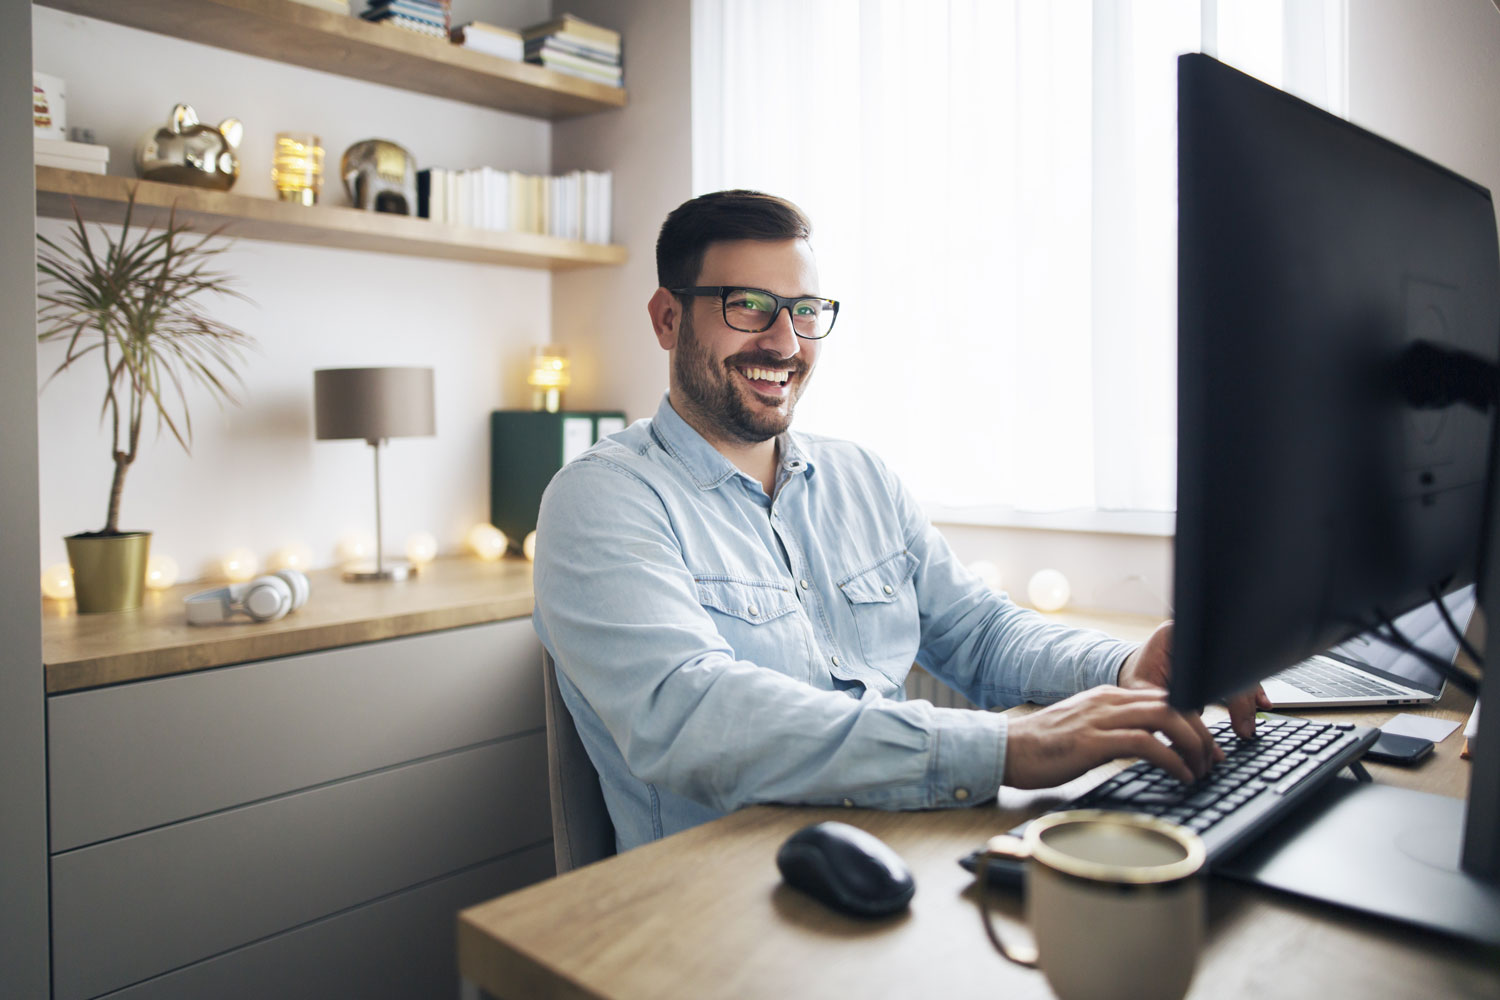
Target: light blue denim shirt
(719, 647)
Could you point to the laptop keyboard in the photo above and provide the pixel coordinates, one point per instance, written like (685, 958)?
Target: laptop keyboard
(1259, 781)
(1328, 681)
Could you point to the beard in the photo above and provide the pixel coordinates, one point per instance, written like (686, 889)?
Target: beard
(710, 389)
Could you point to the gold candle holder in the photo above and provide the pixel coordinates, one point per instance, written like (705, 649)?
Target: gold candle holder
(297, 167)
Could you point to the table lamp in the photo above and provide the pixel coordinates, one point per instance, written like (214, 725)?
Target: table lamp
(374, 404)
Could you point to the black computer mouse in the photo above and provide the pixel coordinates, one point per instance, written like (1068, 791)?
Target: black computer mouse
(846, 868)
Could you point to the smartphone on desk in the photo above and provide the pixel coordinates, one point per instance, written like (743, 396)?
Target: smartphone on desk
(1391, 748)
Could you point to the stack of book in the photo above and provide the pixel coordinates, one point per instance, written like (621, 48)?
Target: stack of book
(88, 157)
(487, 38)
(425, 17)
(574, 46)
(575, 206)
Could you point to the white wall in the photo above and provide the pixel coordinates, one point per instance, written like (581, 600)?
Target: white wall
(1426, 74)
(256, 477)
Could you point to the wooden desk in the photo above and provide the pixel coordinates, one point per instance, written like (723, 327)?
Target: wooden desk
(704, 914)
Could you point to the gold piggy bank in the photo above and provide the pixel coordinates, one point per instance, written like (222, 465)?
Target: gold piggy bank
(189, 152)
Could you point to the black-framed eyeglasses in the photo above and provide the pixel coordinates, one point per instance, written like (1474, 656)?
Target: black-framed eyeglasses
(754, 310)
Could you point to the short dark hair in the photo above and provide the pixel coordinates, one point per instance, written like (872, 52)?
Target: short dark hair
(719, 217)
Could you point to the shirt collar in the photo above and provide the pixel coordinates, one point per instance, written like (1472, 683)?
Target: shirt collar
(706, 464)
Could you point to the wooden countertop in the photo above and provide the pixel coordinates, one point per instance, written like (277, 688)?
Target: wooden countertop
(155, 640)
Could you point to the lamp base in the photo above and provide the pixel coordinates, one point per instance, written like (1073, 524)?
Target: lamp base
(370, 573)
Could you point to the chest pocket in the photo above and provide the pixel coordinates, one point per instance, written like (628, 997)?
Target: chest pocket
(883, 600)
(756, 619)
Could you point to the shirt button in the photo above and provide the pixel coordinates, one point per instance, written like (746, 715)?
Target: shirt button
(803, 584)
(835, 661)
(752, 611)
(961, 794)
(848, 803)
(887, 589)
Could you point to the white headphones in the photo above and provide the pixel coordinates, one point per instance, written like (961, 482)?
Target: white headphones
(264, 599)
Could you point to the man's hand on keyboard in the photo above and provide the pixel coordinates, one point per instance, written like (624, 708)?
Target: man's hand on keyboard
(1061, 741)
(1151, 665)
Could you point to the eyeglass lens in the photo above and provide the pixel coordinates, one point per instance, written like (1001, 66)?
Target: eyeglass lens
(753, 311)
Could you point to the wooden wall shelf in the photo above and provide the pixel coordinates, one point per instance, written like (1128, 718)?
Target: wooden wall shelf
(296, 33)
(101, 198)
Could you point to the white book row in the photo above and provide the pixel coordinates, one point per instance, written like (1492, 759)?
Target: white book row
(575, 206)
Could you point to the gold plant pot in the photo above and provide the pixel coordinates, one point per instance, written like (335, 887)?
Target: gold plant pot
(109, 571)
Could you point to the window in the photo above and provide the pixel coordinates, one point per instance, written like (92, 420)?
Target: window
(993, 190)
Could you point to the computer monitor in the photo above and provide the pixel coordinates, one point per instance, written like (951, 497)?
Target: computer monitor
(1338, 349)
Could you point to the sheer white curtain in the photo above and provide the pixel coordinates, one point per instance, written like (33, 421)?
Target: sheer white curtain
(993, 189)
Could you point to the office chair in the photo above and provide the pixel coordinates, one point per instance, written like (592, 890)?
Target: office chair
(581, 829)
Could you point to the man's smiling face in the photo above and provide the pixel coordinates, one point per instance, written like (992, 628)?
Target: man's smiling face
(735, 386)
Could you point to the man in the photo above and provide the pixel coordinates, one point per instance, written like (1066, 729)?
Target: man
(733, 607)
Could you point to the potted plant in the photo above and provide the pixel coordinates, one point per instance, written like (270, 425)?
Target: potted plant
(129, 304)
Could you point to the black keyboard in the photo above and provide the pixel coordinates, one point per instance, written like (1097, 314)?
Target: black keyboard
(1259, 782)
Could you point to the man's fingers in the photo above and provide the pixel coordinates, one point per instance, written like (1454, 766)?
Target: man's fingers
(1242, 708)
(1188, 735)
(1140, 743)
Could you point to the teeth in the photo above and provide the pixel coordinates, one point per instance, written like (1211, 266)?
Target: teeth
(766, 374)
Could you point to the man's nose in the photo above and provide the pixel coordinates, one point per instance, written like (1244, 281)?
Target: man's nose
(779, 337)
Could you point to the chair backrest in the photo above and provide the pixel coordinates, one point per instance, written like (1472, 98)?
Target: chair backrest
(581, 829)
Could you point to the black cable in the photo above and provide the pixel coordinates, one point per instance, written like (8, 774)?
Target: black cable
(1396, 640)
(1458, 633)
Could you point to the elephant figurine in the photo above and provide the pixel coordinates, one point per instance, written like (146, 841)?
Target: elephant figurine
(188, 152)
(380, 176)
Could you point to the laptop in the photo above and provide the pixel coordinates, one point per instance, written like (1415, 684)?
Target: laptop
(1367, 671)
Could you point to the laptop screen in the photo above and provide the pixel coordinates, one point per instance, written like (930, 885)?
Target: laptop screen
(1424, 626)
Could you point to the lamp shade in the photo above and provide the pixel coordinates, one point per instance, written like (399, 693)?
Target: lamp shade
(373, 403)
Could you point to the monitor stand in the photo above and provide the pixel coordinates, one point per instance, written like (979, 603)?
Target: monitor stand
(1380, 849)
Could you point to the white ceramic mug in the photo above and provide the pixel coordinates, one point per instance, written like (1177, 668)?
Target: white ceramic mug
(1114, 900)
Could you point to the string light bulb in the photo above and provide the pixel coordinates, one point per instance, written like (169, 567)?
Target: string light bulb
(486, 541)
(421, 548)
(356, 548)
(1049, 590)
(240, 565)
(294, 556)
(57, 582)
(528, 547)
(161, 571)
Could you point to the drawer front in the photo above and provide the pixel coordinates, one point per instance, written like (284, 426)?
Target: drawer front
(141, 755)
(142, 905)
(398, 948)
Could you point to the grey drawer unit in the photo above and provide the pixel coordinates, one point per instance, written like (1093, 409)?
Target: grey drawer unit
(137, 756)
(398, 948)
(143, 905)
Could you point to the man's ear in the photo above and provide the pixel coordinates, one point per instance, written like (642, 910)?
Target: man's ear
(666, 317)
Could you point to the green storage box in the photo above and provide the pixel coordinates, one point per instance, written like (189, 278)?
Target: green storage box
(526, 448)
